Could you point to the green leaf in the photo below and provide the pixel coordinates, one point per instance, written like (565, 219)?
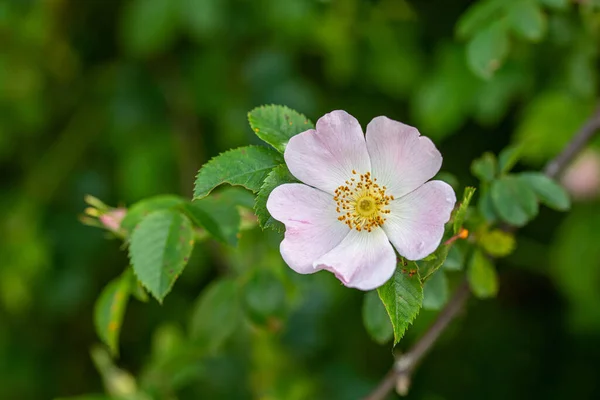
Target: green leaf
(375, 318)
(527, 20)
(219, 213)
(547, 190)
(277, 124)
(148, 27)
(455, 259)
(484, 168)
(278, 176)
(433, 262)
(508, 157)
(435, 291)
(110, 308)
(142, 208)
(216, 314)
(159, 250)
(245, 166)
(497, 243)
(402, 297)
(478, 16)
(487, 49)
(461, 212)
(514, 201)
(264, 299)
(482, 275)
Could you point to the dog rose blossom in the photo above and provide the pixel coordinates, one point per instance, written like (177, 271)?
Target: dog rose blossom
(361, 195)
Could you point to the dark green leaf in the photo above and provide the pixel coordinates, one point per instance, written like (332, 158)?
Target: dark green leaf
(435, 291)
(110, 310)
(547, 191)
(159, 250)
(514, 201)
(277, 124)
(216, 314)
(482, 275)
(487, 49)
(485, 167)
(142, 208)
(244, 166)
(264, 299)
(527, 20)
(508, 157)
(278, 176)
(402, 297)
(375, 318)
(461, 212)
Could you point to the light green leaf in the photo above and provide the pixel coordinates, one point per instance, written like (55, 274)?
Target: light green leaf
(109, 310)
(478, 16)
(455, 259)
(277, 124)
(375, 318)
(148, 26)
(482, 275)
(484, 168)
(264, 298)
(433, 262)
(159, 250)
(142, 208)
(527, 20)
(435, 291)
(278, 176)
(508, 157)
(216, 314)
(547, 190)
(245, 166)
(402, 297)
(487, 49)
(219, 213)
(497, 243)
(514, 201)
(461, 212)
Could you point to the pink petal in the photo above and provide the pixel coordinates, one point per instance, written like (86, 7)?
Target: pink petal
(363, 260)
(415, 224)
(325, 157)
(400, 158)
(312, 228)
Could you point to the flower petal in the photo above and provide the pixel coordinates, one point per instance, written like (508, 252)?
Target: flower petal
(312, 228)
(401, 159)
(325, 157)
(415, 224)
(363, 260)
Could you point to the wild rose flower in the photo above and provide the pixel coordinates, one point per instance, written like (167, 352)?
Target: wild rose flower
(359, 194)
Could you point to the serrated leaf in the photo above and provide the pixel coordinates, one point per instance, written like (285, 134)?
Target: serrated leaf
(461, 212)
(219, 213)
(264, 298)
(277, 124)
(508, 157)
(216, 314)
(109, 310)
(497, 243)
(402, 297)
(245, 166)
(375, 318)
(455, 259)
(487, 50)
(278, 176)
(527, 20)
(514, 201)
(435, 291)
(478, 16)
(547, 190)
(484, 168)
(433, 262)
(159, 250)
(482, 276)
(142, 208)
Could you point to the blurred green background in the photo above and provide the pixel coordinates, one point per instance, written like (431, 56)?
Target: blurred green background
(127, 99)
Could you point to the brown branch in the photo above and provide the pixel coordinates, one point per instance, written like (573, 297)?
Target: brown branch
(399, 376)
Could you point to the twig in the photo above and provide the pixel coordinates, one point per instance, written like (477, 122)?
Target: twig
(400, 374)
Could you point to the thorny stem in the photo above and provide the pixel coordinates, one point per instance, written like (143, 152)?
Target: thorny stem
(400, 374)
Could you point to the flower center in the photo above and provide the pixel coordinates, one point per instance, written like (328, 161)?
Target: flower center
(361, 202)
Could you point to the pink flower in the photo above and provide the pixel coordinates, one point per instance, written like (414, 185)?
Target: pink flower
(360, 194)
